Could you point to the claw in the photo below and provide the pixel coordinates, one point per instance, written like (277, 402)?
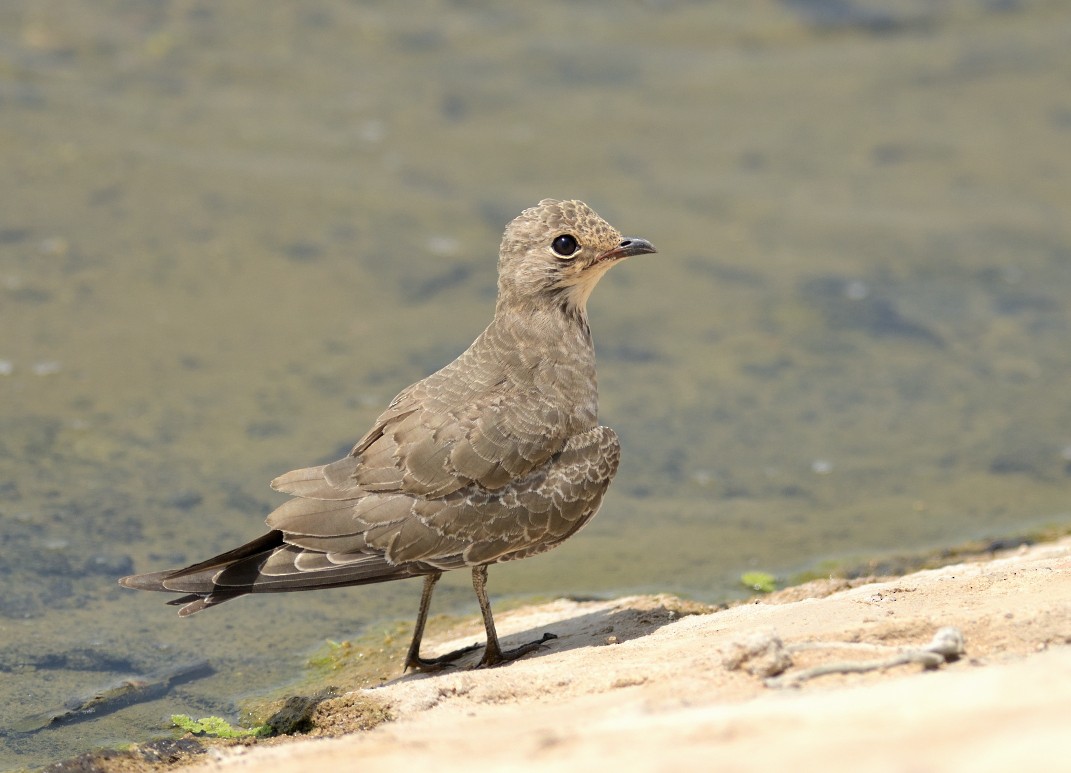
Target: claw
(431, 665)
(491, 658)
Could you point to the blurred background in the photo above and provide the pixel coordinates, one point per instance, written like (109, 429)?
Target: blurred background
(231, 232)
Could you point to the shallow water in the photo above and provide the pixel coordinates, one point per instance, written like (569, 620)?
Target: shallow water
(229, 234)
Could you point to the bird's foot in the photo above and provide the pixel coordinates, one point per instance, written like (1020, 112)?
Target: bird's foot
(414, 662)
(495, 656)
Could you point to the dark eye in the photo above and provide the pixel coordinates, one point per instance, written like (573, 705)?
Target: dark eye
(564, 245)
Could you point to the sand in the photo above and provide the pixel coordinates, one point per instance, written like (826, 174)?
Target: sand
(644, 683)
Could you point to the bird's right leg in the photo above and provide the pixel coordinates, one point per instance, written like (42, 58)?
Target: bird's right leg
(493, 653)
(413, 661)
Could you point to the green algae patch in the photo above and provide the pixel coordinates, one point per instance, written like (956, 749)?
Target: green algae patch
(762, 582)
(217, 727)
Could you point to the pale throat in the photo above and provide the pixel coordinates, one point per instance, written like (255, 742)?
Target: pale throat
(577, 293)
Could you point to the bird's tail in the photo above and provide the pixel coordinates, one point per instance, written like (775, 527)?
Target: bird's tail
(199, 580)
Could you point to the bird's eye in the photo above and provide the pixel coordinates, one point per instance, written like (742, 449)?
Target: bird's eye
(564, 245)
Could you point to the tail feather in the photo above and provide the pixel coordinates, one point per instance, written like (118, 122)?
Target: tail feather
(153, 581)
(195, 602)
(198, 579)
(261, 545)
(269, 564)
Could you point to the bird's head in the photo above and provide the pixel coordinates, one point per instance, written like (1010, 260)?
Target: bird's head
(556, 252)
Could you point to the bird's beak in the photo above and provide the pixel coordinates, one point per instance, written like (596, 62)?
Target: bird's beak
(627, 248)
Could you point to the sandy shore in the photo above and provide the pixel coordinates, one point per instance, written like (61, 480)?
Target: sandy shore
(641, 683)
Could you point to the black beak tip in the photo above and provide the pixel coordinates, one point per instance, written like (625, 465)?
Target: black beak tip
(632, 246)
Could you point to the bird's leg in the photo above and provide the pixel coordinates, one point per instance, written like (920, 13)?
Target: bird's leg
(493, 654)
(413, 661)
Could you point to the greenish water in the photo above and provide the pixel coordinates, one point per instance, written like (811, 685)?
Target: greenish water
(229, 233)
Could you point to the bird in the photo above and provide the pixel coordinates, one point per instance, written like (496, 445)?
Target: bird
(495, 457)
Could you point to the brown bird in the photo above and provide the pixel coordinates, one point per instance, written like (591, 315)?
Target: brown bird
(497, 456)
